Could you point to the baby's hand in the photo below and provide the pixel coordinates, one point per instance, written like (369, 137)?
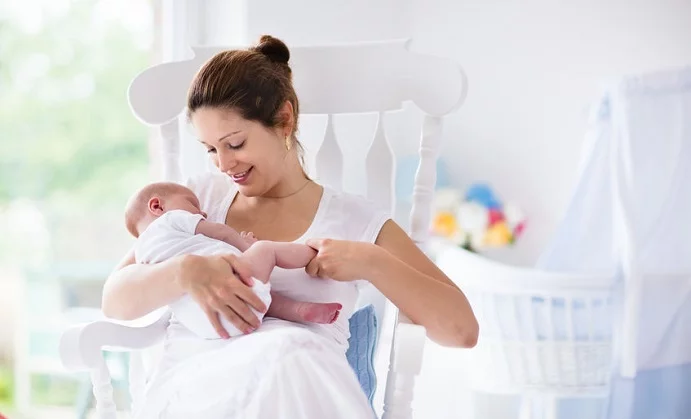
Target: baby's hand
(248, 236)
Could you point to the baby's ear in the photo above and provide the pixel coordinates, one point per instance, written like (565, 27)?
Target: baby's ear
(156, 205)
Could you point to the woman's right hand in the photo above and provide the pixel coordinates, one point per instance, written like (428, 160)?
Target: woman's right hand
(221, 285)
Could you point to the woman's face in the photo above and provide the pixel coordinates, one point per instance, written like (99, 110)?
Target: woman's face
(255, 157)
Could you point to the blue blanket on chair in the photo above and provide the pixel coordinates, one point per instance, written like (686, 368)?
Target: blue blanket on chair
(361, 345)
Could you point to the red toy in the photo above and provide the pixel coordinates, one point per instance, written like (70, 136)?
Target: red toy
(495, 215)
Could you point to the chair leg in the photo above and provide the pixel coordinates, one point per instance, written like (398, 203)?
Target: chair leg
(85, 396)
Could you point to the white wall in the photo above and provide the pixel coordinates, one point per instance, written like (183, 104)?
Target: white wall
(306, 22)
(534, 66)
(299, 22)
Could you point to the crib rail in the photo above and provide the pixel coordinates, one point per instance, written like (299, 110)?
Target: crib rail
(540, 331)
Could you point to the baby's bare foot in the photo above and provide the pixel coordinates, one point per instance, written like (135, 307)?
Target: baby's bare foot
(324, 313)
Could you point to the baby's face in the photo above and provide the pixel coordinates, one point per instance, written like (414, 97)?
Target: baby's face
(183, 200)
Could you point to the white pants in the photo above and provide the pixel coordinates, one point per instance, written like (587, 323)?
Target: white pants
(276, 372)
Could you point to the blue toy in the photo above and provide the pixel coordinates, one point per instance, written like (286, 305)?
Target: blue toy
(483, 195)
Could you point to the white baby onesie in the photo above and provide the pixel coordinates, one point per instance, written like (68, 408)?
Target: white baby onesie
(173, 234)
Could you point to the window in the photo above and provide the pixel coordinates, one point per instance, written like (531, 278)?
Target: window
(71, 153)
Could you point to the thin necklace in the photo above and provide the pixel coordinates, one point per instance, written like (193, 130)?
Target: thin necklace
(292, 193)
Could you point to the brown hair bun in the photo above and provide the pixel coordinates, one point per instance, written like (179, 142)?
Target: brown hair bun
(273, 48)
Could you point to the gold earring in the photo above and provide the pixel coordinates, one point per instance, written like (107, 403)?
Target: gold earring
(289, 143)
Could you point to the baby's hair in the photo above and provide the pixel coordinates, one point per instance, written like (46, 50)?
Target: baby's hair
(138, 204)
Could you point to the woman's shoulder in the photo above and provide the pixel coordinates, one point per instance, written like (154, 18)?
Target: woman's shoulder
(214, 191)
(362, 217)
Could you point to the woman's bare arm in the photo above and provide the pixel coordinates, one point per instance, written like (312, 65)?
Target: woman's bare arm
(133, 290)
(398, 268)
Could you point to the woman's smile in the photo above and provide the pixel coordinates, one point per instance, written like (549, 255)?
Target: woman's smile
(241, 178)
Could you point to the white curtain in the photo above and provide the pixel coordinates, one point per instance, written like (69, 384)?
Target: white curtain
(630, 215)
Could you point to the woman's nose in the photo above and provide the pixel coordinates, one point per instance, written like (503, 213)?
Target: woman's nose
(226, 162)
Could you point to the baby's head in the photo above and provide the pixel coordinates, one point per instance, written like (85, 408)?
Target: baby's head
(156, 199)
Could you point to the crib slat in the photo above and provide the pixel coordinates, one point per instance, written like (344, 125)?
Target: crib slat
(590, 303)
(551, 343)
(571, 349)
(570, 325)
(534, 341)
(519, 349)
(329, 159)
(501, 337)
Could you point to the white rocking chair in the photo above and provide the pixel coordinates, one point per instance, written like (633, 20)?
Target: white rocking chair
(345, 79)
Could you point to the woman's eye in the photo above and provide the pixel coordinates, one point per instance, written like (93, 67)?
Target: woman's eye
(211, 150)
(236, 146)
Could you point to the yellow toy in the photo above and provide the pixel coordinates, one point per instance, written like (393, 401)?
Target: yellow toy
(498, 234)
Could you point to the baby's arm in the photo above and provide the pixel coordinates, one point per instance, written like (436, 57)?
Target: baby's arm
(224, 233)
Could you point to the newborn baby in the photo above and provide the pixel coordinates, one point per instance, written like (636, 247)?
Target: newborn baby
(167, 221)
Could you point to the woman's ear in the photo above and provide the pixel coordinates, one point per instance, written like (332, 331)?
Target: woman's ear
(286, 119)
(156, 206)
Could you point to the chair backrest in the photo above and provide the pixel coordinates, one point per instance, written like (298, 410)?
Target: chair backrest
(343, 79)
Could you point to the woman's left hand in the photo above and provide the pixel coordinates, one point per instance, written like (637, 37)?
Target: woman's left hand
(341, 260)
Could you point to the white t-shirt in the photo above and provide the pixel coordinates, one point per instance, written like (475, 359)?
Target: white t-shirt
(339, 216)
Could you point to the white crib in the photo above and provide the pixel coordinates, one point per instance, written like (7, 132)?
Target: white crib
(346, 79)
(539, 331)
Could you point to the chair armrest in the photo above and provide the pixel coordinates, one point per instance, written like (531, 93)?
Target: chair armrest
(81, 345)
(408, 346)
(405, 365)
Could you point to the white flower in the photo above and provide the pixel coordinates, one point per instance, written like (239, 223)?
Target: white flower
(446, 200)
(513, 215)
(473, 218)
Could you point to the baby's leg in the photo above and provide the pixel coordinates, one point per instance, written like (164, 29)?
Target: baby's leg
(263, 256)
(286, 308)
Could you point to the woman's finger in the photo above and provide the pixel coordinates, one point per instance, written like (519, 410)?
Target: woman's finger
(240, 268)
(315, 244)
(243, 312)
(216, 322)
(312, 268)
(248, 281)
(249, 297)
(229, 314)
